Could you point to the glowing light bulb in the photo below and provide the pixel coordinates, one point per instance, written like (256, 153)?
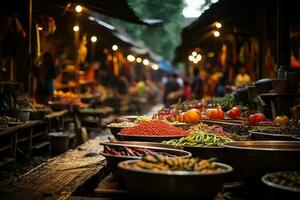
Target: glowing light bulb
(94, 39)
(78, 8)
(76, 28)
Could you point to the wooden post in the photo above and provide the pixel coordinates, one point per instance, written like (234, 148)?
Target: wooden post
(283, 36)
(14, 140)
(30, 143)
(262, 36)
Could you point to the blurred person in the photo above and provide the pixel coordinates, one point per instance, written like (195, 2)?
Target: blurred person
(187, 90)
(242, 78)
(221, 87)
(197, 87)
(141, 87)
(171, 93)
(43, 81)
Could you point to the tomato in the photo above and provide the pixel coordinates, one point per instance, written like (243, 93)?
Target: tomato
(260, 117)
(234, 112)
(252, 119)
(257, 117)
(281, 120)
(208, 111)
(180, 117)
(216, 114)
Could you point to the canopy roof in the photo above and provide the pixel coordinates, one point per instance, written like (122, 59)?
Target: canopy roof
(113, 8)
(243, 15)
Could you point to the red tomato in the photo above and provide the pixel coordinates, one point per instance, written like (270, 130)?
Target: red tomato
(234, 112)
(257, 117)
(252, 119)
(260, 117)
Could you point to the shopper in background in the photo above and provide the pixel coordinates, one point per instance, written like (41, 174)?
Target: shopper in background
(172, 91)
(197, 85)
(242, 78)
(44, 77)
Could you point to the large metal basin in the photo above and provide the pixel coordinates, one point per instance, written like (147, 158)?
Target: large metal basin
(173, 185)
(252, 159)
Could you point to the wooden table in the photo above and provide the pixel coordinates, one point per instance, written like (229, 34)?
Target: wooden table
(18, 135)
(59, 176)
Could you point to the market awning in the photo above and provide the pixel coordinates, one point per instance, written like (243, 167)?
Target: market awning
(113, 8)
(242, 14)
(166, 66)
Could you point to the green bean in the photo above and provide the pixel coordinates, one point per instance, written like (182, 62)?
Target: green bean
(200, 139)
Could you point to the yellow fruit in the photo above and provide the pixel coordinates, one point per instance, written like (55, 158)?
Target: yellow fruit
(281, 120)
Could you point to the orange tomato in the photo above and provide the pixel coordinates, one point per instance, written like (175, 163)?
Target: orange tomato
(193, 115)
(215, 113)
(181, 117)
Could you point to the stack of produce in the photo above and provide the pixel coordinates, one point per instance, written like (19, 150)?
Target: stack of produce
(204, 128)
(162, 163)
(132, 151)
(122, 124)
(289, 179)
(154, 128)
(200, 139)
(282, 130)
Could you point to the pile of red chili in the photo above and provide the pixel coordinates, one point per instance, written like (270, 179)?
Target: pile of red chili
(154, 128)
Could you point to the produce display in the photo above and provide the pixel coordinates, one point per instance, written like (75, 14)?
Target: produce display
(282, 130)
(143, 118)
(5, 119)
(154, 128)
(256, 118)
(200, 139)
(289, 179)
(60, 94)
(163, 163)
(214, 113)
(281, 120)
(225, 102)
(132, 151)
(234, 113)
(191, 116)
(92, 110)
(122, 124)
(204, 128)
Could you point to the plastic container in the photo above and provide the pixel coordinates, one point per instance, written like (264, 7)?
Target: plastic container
(281, 72)
(23, 115)
(59, 142)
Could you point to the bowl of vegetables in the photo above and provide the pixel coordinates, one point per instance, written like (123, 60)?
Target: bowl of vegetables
(115, 128)
(174, 178)
(115, 153)
(284, 184)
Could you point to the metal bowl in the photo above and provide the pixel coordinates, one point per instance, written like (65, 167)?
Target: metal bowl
(252, 159)
(113, 160)
(131, 118)
(208, 152)
(116, 129)
(175, 184)
(146, 138)
(277, 191)
(255, 135)
(150, 144)
(265, 180)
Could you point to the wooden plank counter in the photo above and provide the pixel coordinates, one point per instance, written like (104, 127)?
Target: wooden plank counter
(59, 176)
